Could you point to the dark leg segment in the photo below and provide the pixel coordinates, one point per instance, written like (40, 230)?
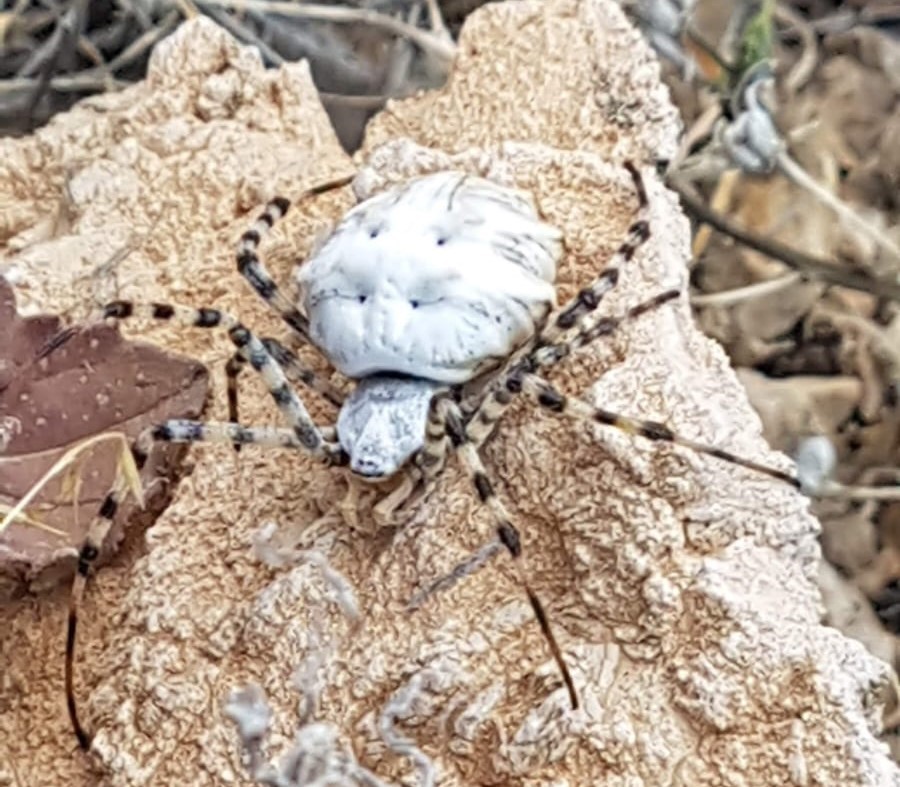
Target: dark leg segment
(551, 399)
(248, 346)
(507, 533)
(252, 269)
(173, 431)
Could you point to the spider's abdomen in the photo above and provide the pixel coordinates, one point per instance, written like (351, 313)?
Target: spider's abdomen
(432, 279)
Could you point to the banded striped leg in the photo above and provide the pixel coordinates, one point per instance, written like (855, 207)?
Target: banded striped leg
(507, 536)
(499, 395)
(549, 398)
(588, 298)
(497, 399)
(294, 369)
(173, 431)
(255, 352)
(426, 465)
(252, 269)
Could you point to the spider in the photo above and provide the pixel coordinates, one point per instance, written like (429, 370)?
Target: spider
(437, 298)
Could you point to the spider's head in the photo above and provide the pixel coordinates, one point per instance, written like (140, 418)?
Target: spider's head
(383, 422)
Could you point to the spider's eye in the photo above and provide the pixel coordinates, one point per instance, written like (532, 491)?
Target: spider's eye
(373, 233)
(361, 298)
(441, 241)
(414, 304)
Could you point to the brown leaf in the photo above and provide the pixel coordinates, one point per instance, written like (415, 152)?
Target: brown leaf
(53, 396)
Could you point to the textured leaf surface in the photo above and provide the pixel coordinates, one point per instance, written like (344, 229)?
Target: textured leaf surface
(52, 400)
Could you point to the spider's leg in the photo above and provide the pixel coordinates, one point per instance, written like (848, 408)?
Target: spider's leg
(588, 298)
(87, 554)
(589, 327)
(433, 455)
(294, 369)
(253, 350)
(507, 533)
(172, 431)
(298, 372)
(425, 467)
(233, 370)
(549, 398)
(251, 268)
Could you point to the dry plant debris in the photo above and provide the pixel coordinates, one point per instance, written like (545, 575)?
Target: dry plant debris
(806, 301)
(686, 592)
(52, 401)
(361, 54)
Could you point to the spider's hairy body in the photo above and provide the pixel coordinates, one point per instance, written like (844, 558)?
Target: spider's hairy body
(426, 283)
(436, 298)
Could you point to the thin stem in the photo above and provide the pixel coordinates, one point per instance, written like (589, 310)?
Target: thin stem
(858, 494)
(800, 177)
(751, 291)
(798, 260)
(445, 51)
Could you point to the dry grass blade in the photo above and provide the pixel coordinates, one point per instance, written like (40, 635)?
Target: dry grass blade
(30, 521)
(126, 467)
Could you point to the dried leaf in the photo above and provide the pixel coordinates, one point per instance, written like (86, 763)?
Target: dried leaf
(67, 415)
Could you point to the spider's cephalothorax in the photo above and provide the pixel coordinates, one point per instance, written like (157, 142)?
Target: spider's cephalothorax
(417, 292)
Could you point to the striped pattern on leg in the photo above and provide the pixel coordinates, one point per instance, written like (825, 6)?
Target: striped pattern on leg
(293, 368)
(298, 372)
(252, 269)
(588, 298)
(507, 533)
(184, 431)
(573, 324)
(87, 554)
(433, 455)
(172, 431)
(252, 349)
(542, 392)
(589, 328)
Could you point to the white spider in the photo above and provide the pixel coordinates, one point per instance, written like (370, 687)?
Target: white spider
(437, 298)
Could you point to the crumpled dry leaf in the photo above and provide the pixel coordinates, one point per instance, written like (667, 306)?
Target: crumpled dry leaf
(96, 382)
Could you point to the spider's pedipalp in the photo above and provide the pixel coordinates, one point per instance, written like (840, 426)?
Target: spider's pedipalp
(253, 351)
(549, 398)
